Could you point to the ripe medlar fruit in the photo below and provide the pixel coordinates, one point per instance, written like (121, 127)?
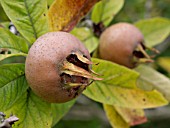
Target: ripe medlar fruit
(123, 43)
(58, 67)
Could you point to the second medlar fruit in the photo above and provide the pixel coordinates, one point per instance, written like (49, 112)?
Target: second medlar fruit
(123, 43)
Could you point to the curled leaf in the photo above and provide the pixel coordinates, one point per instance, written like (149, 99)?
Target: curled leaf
(124, 117)
(132, 116)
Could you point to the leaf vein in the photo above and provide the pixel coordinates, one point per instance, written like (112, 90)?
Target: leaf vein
(31, 20)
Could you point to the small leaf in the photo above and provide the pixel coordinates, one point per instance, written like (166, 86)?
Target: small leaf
(91, 43)
(105, 10)
(131, 116)
(164, 62)
(31, 111)
(118, 87)
(5, 56)
(86, 36)
(82, 33)
(114, 117)
(59, 110)
(150, 79)
(64, 14)
(28, 16)
(155, 30)
(9, 40)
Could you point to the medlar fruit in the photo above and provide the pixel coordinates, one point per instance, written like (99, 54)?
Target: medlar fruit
(58, 67)
(123, 43)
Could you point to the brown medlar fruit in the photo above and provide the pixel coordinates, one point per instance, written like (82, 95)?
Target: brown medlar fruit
(58, 67)
(123, 43)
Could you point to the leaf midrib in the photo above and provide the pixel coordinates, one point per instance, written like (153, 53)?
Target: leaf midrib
(31, 20)
(12, 80)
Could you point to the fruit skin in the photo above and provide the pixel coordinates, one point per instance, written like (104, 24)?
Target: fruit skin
(43, 65)
(118, 42)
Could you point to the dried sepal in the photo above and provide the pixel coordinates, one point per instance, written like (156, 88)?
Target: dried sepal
(140, 54)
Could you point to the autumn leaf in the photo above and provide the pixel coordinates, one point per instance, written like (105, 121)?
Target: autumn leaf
(121, 117)
(114, 118)
(64, 15)
(131, 115)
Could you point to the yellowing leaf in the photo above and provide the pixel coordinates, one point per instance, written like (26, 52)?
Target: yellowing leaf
(64, 14)
(132, 116)
(114, 118)
(118, 87)
(123, 97)
(150, 79)
(164, 62)
(124, 117)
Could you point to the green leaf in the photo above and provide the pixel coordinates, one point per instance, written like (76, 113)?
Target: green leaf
(86, 36)
(59, 110)
(114, 118)
(12, 91)
(5, 24)
(9, 40)
(31, 111)
(105, 10)
(114, 74)
(12, 84)
(118, 87)
(150, 79)
(155, 30)
(5, 56)
(10, 72)
(28, 16)
(91, 43)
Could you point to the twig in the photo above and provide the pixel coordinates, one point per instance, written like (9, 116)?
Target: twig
(7, 123)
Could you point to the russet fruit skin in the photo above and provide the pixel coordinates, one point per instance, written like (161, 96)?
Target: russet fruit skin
(44, 64)
(118, 42)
